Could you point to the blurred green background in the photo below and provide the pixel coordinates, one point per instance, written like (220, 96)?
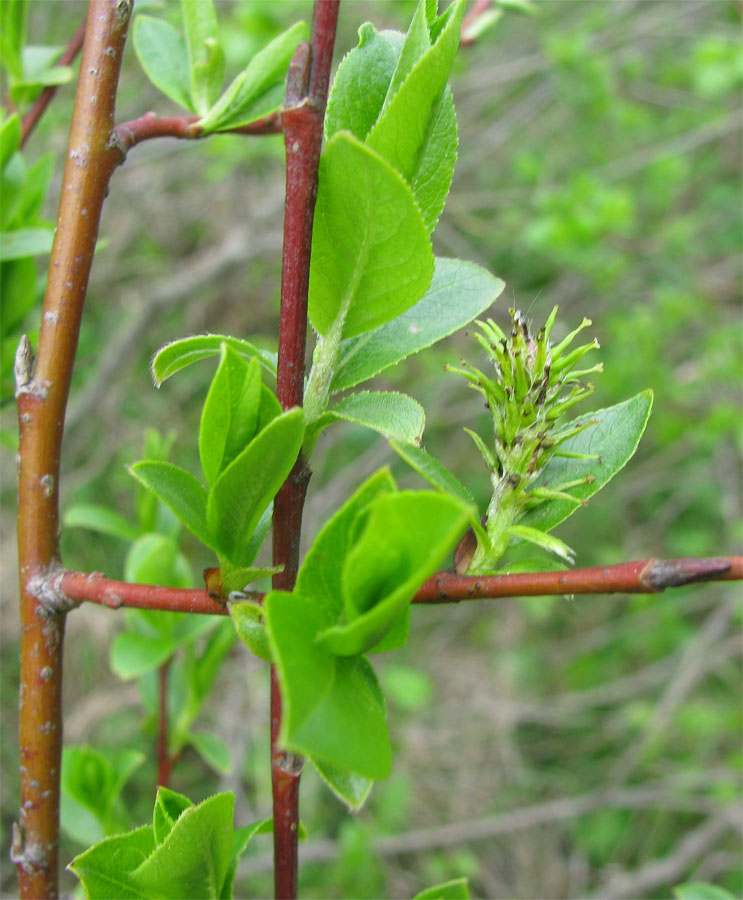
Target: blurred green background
(568, 745)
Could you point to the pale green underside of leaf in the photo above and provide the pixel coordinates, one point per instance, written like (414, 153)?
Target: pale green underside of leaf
(371, 257)
(614, 439)
(247, 617)
(392, 414)
(25, 242)
(351, 788)
(100, 519)
(213, 750)
(161, 51)
(459, 292)
(181, 353)
(205, 54)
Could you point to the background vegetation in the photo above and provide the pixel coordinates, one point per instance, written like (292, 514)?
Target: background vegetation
(599, 169)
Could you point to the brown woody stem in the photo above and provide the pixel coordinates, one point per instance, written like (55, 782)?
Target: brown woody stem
(644, 576)
(302, 121)
(164, 761)
(45, 97)
(42, 390)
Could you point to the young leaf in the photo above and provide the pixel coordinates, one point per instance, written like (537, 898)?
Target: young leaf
(13, 15)
(194, 858)
(161, 51)
(350, 787)
(205, 54)
(456, 889)
(459, 292)
(319, 578)
(169, 806)
(371, 257)
(259, 90)
(433, 471)
(181, 353)
(97, 517)
(180, 491)
(418, 111)
(391, 414)
(361, 82)
(332, 709)
(405, 538)
(134, 654)
(105, 868)
(212, 749)
(246, 487)
(613, 440)
(10, 138)
(230, 414)
(247, 618)
(155, 559)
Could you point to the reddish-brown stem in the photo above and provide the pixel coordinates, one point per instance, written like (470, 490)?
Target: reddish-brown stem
(644, 576)
(150, 126)
(45, 97)
(302, 122)
(478, 10)
(42, 391)
(164, 761)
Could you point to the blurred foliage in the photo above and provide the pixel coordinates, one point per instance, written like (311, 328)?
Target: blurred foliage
(599, 169)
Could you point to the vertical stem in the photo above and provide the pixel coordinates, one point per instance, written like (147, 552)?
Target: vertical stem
(302, 121)
(42, 392)
(163, 754)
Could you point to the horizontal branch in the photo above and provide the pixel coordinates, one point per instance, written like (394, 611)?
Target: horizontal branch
(645, 576)
(150, 125)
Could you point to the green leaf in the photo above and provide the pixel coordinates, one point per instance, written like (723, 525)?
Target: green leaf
(259, 90)
(459, 292)
(241, 837)
(246, 487)
(371, 257)
(99, 518)
(332, 707)
(205, 54)
(194, 858)
(91, 787)
(614, 440)
(391, 414)
(247, 618)
(361, 82)
(699, 890)
(180, 491)
(213, 750)
(25, 242)
(161, 51)
(351, 788)
(13, 15)
(416, 131)
(18, 289)
(169, 806)
(134, 654)
(320, 577)
(105, 868)
(230, 414)
(433, 471)
(456, 889)
(181, 353)
(405, 538)
(33, 194)
(10, 138)
(155, 559)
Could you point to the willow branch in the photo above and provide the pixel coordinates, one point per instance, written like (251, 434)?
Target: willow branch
(42, 388)
(45, 97)
(645, 576)
(150, 125)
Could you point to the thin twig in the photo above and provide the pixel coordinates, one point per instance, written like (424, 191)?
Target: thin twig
(150, 125)
(163, 752)
(42, 390)
(45, 97)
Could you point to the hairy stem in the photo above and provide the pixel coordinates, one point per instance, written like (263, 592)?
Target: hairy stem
(302, 121)
(42, 390)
